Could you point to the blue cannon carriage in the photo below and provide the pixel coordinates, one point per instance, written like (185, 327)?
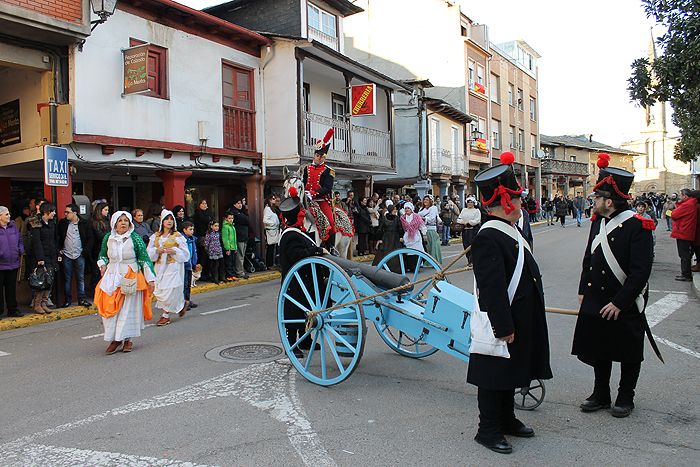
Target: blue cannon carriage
(414, 316)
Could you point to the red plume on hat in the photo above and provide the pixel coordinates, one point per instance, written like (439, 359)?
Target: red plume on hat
(507, 158)
(323, 145)
(603, 160)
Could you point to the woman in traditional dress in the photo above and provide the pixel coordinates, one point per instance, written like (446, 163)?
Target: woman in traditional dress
(431, 215)
(391, 234)
(168, 251)
(123, 295)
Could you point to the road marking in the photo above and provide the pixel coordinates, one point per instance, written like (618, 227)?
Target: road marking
(270, 387)
(667, 291)
(102, 333)
(4, 354)
(41, 454)
(680, 348)
(224, 309)
(664, 307)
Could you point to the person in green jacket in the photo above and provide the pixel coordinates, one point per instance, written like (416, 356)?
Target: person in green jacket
(228, 237)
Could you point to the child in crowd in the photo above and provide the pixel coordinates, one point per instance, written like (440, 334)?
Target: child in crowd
(215, 252)
(188, 230)
(228, 236)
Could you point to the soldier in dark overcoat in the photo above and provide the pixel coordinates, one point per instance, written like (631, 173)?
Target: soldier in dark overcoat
(295, 245)
(611, 324)
(521, 323)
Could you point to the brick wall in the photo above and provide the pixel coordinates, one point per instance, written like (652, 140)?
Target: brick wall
(66, 10)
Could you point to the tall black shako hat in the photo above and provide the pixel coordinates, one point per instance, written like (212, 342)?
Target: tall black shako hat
(291, 206)
(613, 182)
(322, 145)
(499, 183)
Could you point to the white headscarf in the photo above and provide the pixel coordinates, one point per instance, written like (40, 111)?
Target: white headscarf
(472, 199)
(163, 214)
(113, 223)
(409, 205)
(388, 203)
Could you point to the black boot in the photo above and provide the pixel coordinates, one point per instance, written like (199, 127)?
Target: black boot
(624, 404)
(600, 399)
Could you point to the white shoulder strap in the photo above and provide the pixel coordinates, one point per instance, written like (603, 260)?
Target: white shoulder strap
(610, 225)
(294, 229)
(520, 262)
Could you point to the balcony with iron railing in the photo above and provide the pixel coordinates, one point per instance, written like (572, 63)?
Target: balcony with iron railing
(444, 162)
(323, 38)
(560, 167)
(351, 144)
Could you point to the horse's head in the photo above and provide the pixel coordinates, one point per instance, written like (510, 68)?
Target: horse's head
(293, 179)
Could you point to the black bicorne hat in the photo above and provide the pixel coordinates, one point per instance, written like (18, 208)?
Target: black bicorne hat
(613, 182)
(499, 183)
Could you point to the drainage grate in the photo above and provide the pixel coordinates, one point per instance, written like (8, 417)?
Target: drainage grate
(246, 353)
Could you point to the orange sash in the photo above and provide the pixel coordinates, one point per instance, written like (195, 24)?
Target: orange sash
(109, 305)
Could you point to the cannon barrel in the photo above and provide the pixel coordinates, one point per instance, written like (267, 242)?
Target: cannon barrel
(379, 277)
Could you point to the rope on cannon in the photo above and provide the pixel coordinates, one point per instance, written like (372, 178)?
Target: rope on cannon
(435, 278)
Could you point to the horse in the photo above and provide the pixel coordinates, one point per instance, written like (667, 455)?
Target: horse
(315, 221)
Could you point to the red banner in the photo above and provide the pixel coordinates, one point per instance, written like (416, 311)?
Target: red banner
(364, 99)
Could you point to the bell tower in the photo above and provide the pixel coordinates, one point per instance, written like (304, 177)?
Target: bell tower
(655, 115)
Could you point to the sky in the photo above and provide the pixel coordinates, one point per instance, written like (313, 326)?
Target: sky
(587, 49)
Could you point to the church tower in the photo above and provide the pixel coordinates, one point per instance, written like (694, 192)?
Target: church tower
(655, 115)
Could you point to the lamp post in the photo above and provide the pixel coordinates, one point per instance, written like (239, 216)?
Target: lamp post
(104, 9)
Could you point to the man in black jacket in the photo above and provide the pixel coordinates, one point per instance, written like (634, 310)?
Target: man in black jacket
(294, 246)
(613, 292)
(516, 311)
(75, 240)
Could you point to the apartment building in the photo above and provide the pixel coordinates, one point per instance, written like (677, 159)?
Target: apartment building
(514, 115)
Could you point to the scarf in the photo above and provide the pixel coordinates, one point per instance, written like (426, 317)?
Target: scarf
(115, 243)
(412, 224)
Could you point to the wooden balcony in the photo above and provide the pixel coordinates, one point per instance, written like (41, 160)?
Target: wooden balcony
(239, 128)
(559, 167)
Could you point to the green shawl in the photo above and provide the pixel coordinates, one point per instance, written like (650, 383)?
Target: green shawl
(142, 258)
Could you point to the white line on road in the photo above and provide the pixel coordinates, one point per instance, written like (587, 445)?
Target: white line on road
(102, 333)
(667, 291)
(680, 348)
(4, 354)
(662, 308)
(224, 309)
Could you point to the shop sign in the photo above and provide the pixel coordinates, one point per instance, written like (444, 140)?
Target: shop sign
(55, 166)
(364, 99)
(136, 69)
(10, 132)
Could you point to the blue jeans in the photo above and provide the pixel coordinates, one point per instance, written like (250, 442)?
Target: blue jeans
(669, 224)
(445, 234)
(78, 266)
(549, 216)
(579, 213)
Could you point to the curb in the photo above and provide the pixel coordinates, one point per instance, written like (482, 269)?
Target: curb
(33, 319)
(696, 284)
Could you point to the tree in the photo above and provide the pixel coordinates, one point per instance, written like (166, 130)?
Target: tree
(674, 76)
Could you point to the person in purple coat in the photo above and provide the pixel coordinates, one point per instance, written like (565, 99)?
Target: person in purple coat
(11, 250)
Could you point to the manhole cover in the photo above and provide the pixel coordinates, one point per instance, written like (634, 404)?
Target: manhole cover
(246, 353)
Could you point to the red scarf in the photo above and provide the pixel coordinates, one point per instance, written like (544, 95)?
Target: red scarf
(412, 227)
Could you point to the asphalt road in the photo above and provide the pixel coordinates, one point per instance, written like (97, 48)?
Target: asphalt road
(66, 403)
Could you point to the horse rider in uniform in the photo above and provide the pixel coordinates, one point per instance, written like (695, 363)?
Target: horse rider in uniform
(510, 344)
(295, 245)
(613, 291)
(318, 180)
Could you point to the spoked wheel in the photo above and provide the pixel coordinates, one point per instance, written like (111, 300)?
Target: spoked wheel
(333, 347)
(408, 262)
(530, 397)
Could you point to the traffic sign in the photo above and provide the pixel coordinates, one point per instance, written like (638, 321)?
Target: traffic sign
(55, 166)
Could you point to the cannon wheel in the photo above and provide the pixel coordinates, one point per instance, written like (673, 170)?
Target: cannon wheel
(530, 397)
(332, 355)
(401, 261)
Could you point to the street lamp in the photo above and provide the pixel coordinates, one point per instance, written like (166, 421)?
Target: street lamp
(104, 9)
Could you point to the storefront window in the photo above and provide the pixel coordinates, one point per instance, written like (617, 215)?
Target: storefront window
(195, 194)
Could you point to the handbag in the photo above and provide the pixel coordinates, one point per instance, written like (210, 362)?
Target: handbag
(457, 227)
(127, 285)
(41, 278)
(483, 339)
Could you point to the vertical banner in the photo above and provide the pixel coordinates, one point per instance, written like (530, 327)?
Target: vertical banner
(55, 166)
(136, 69)
(364, 99)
